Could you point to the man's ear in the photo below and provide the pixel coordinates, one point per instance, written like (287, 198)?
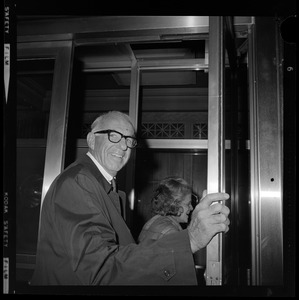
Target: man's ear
(90, 140)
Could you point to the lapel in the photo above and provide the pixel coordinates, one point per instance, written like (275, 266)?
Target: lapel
(109, 203)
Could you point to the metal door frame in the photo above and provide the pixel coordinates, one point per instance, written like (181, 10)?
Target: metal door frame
(62, 52)
(216, 143)
(136, 69)
(266, 152)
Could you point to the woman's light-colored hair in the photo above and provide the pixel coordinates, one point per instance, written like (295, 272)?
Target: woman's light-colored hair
(168, 196)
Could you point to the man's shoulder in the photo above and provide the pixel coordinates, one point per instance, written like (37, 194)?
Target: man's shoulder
(82, 165)
(78, 172)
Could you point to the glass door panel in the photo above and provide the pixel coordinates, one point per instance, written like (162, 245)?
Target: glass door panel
(172, 124)
(152, 165)
(100, 83)
(174, 104)
(163, 163)
(43, 73)
(34, 90)
(236, 252)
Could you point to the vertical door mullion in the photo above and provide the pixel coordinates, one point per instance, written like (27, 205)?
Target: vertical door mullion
(56, 138)
(254, 182)
(215, 140)
(266, 153)
(134, 93)
(133, 112)
(62, 52)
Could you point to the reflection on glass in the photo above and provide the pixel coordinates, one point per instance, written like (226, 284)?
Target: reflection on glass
(158, 165)
(174, 104)
(34, 89)
(236, 175)
(94, 93)
(192, 166)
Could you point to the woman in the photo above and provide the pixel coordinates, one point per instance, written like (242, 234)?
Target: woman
(171, 205)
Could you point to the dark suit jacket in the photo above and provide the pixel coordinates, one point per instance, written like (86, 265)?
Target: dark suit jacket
(85, 241)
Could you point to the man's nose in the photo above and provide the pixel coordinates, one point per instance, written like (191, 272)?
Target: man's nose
(123, 143)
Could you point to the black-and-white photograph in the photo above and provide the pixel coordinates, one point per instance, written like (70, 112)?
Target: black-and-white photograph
(149, 154)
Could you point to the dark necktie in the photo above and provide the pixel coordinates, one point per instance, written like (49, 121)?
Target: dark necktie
(115, 196)
(114, 186)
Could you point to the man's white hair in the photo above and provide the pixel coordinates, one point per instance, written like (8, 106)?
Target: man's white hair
(100, 121)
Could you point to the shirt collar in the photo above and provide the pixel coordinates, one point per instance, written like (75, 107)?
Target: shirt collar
(107, 176)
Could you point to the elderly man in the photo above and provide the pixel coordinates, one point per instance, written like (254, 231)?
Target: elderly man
(84, 239)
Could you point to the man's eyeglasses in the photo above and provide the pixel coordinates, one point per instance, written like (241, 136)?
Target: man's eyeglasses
(115, 137)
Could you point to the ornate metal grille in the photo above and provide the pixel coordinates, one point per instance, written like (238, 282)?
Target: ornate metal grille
(163, 130)
(200, 131)
(153, 130)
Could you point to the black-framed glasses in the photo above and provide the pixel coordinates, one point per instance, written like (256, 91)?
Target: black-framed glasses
(115, 137)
